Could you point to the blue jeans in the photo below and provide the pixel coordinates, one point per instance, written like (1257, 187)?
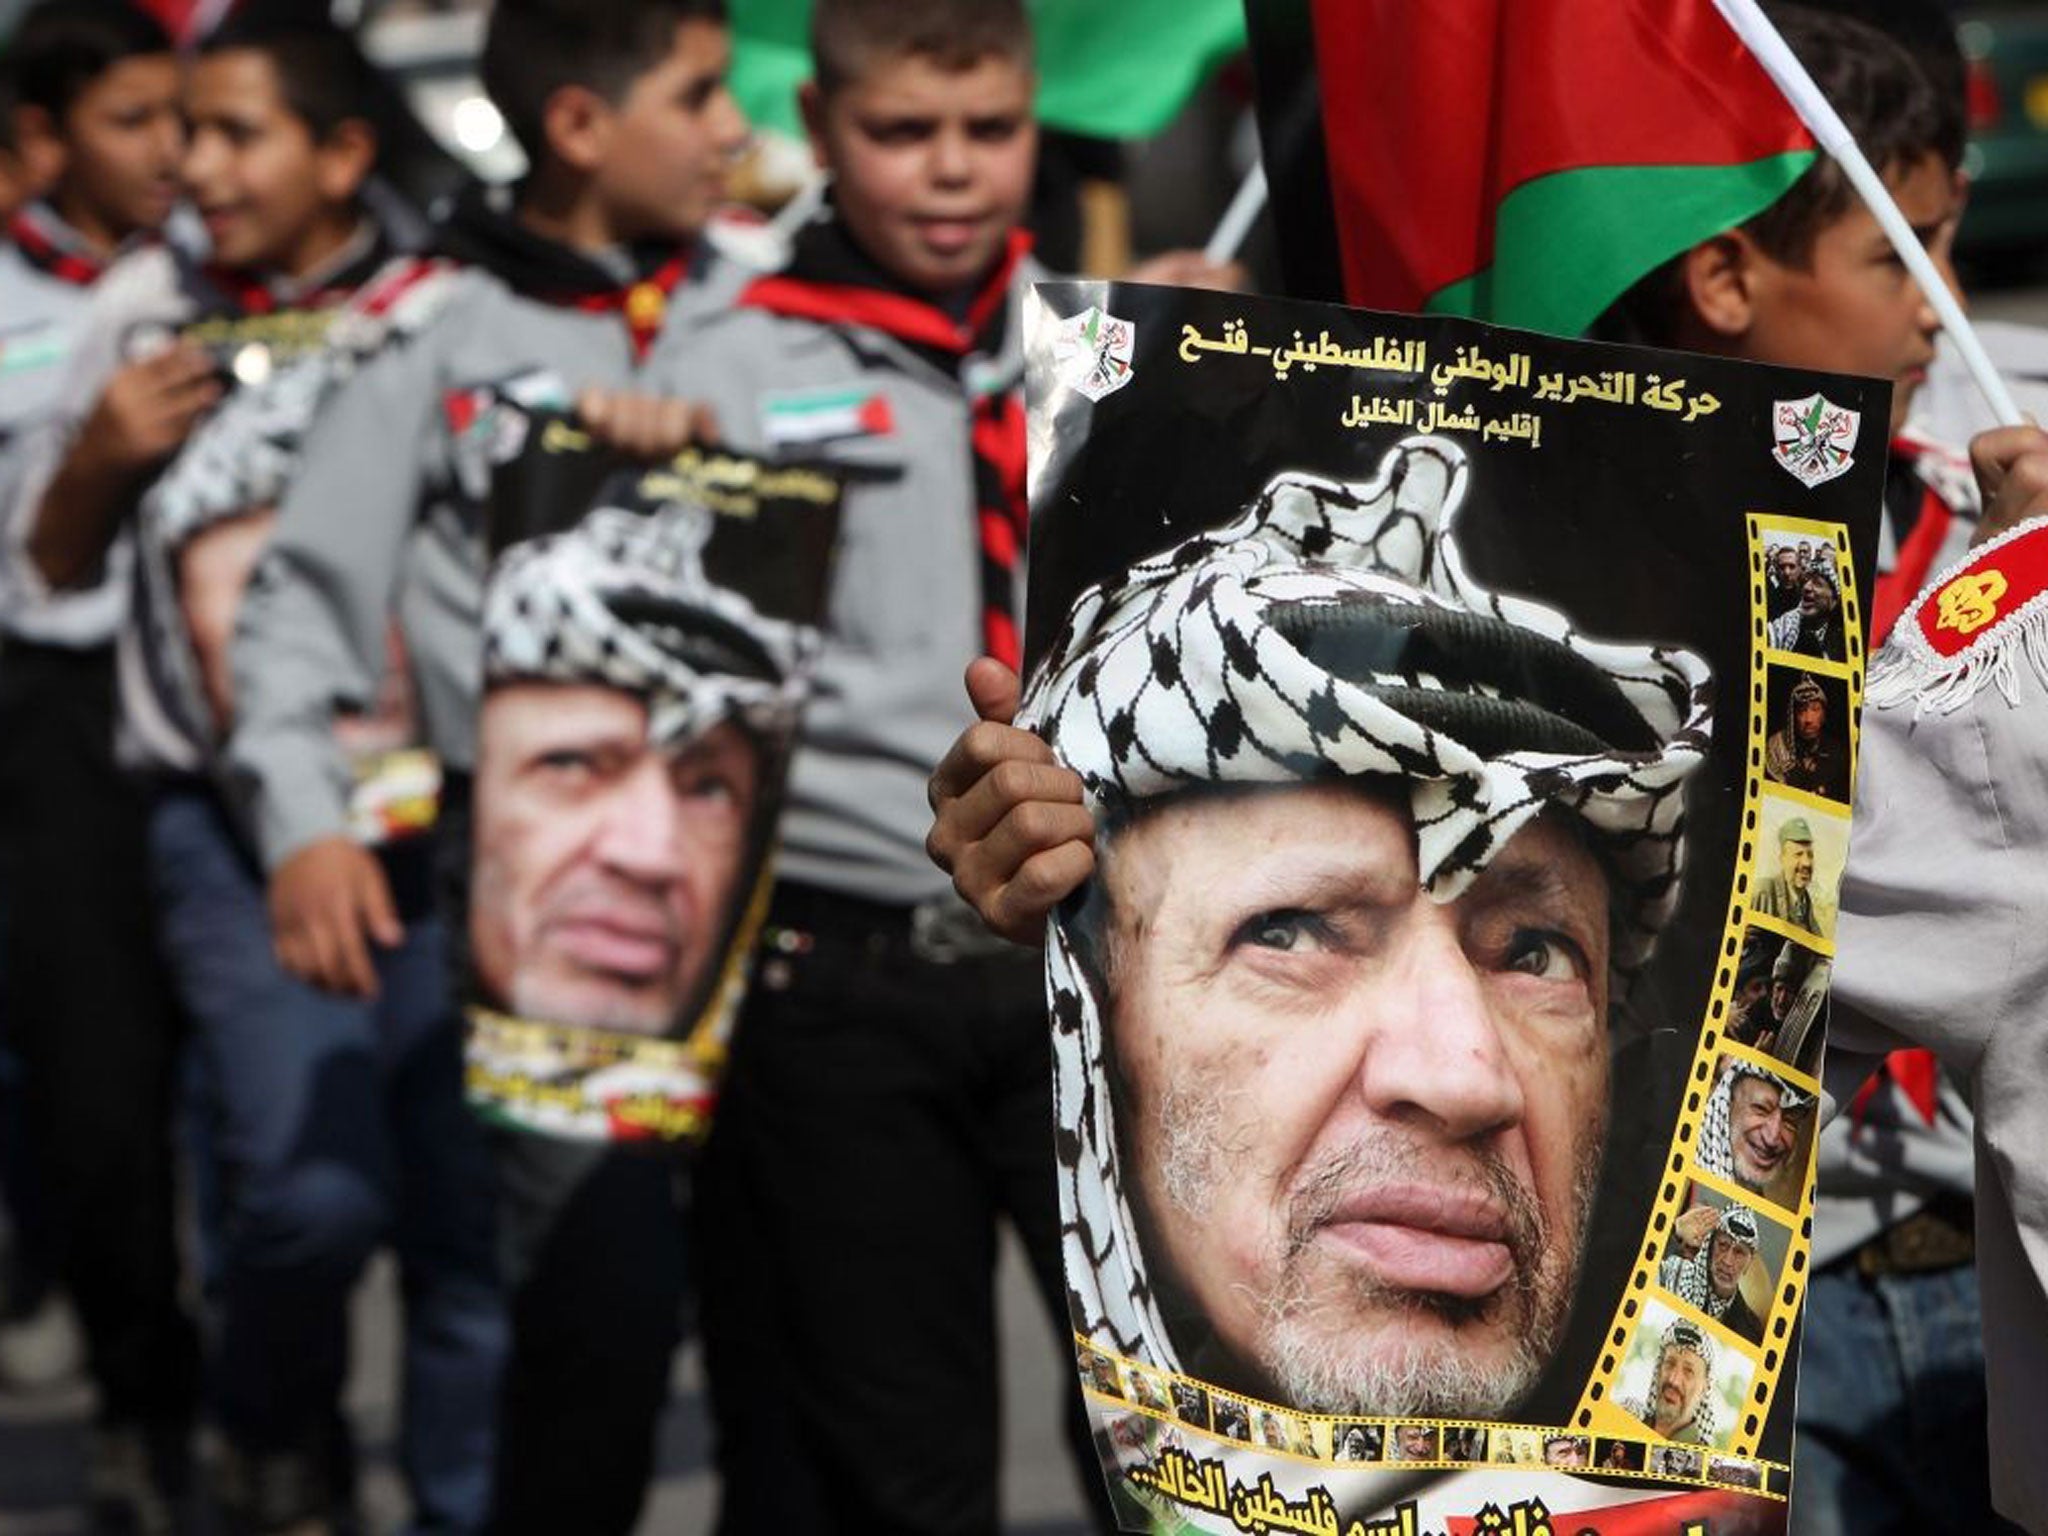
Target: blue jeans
(339, 1125)
(1891, 1406)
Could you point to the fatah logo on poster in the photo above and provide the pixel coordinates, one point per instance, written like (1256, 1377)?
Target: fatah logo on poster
(1092, 353)
(1815, 438)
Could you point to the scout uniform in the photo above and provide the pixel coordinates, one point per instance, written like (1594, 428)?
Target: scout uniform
(48, 276)
(1939, 940)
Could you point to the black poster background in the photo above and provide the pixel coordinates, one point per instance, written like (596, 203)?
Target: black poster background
(1633, 521)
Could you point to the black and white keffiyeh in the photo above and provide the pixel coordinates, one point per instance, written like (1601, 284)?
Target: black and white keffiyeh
(622, 600)
(1333, 630)
(1692, 1279)
(1681, 1334)
(1716, 1150)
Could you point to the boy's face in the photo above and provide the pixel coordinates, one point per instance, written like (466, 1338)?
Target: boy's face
(267, 191)
(931, 168)
(1853, 308)
(671, 139)
(121, 141)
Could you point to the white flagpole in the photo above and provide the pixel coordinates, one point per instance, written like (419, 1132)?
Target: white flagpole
(1783, 66)
(1238, 218)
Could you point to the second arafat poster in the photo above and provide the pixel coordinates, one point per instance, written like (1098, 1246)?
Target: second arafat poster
(649, 632)
(1469, 723)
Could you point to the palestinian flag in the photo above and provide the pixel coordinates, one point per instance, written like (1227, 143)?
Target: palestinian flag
(1114, 69)
(1519, 161)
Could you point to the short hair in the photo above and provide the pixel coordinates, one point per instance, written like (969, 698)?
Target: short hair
(535, 48)
(1886, 100)
(324, 78)
(63, 46)
(848, 36)
(1891, 107)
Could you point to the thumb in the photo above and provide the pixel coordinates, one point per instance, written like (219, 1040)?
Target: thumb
(380, 912)
(993, 690)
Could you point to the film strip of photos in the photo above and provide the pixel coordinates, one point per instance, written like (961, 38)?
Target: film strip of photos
(1704, 1328)
(1182, 1403)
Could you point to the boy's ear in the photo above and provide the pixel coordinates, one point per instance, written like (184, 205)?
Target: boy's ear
(1718, 278)
(810, 105)
(346, 157)
(577, 123)
(39, 143)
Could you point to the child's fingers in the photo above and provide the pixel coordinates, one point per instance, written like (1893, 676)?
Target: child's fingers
(993, 690)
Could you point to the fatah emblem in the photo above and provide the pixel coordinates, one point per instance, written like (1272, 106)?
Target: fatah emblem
(1093, 352)
(1815, 437)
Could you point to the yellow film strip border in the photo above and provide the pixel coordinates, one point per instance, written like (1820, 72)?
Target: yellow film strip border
(1598, 1411)
(1234, 1421)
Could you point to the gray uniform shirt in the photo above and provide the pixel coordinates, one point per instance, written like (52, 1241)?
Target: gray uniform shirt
(1943, 942)
(376, 522)
(58, 346)
(904, 617)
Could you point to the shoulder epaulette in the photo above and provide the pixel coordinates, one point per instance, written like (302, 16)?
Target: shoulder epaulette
(1972, 625)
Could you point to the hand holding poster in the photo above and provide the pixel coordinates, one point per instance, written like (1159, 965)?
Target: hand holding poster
(648, 638)
(1419, 676)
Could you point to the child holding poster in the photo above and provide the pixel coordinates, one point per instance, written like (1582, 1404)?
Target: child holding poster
(887, 1102)
(593, 272)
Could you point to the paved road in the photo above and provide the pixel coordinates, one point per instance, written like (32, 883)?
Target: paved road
(42, 1435)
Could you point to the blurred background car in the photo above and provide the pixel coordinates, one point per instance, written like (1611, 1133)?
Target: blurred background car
(2005, 62)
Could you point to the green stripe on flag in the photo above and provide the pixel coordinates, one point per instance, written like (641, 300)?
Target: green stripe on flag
(1123, 69)
(1117, 69)
(1569, 244)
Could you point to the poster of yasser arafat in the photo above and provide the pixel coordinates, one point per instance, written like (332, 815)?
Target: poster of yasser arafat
(1468, 718)
(649, 634)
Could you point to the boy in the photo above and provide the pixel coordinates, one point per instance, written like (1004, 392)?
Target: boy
(97, 99)
(889, 1092)
(95, 89)
(591, 275)
(298, 1090)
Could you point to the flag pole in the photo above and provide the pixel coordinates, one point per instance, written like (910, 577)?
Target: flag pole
(1819, 115)
(1245, 206)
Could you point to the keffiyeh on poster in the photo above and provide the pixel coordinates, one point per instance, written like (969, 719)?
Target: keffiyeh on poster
(649, 635)
(1435, 1040)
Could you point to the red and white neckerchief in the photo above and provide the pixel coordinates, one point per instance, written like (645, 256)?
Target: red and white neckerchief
(48, 245)
(997, 436)
(643, 305)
